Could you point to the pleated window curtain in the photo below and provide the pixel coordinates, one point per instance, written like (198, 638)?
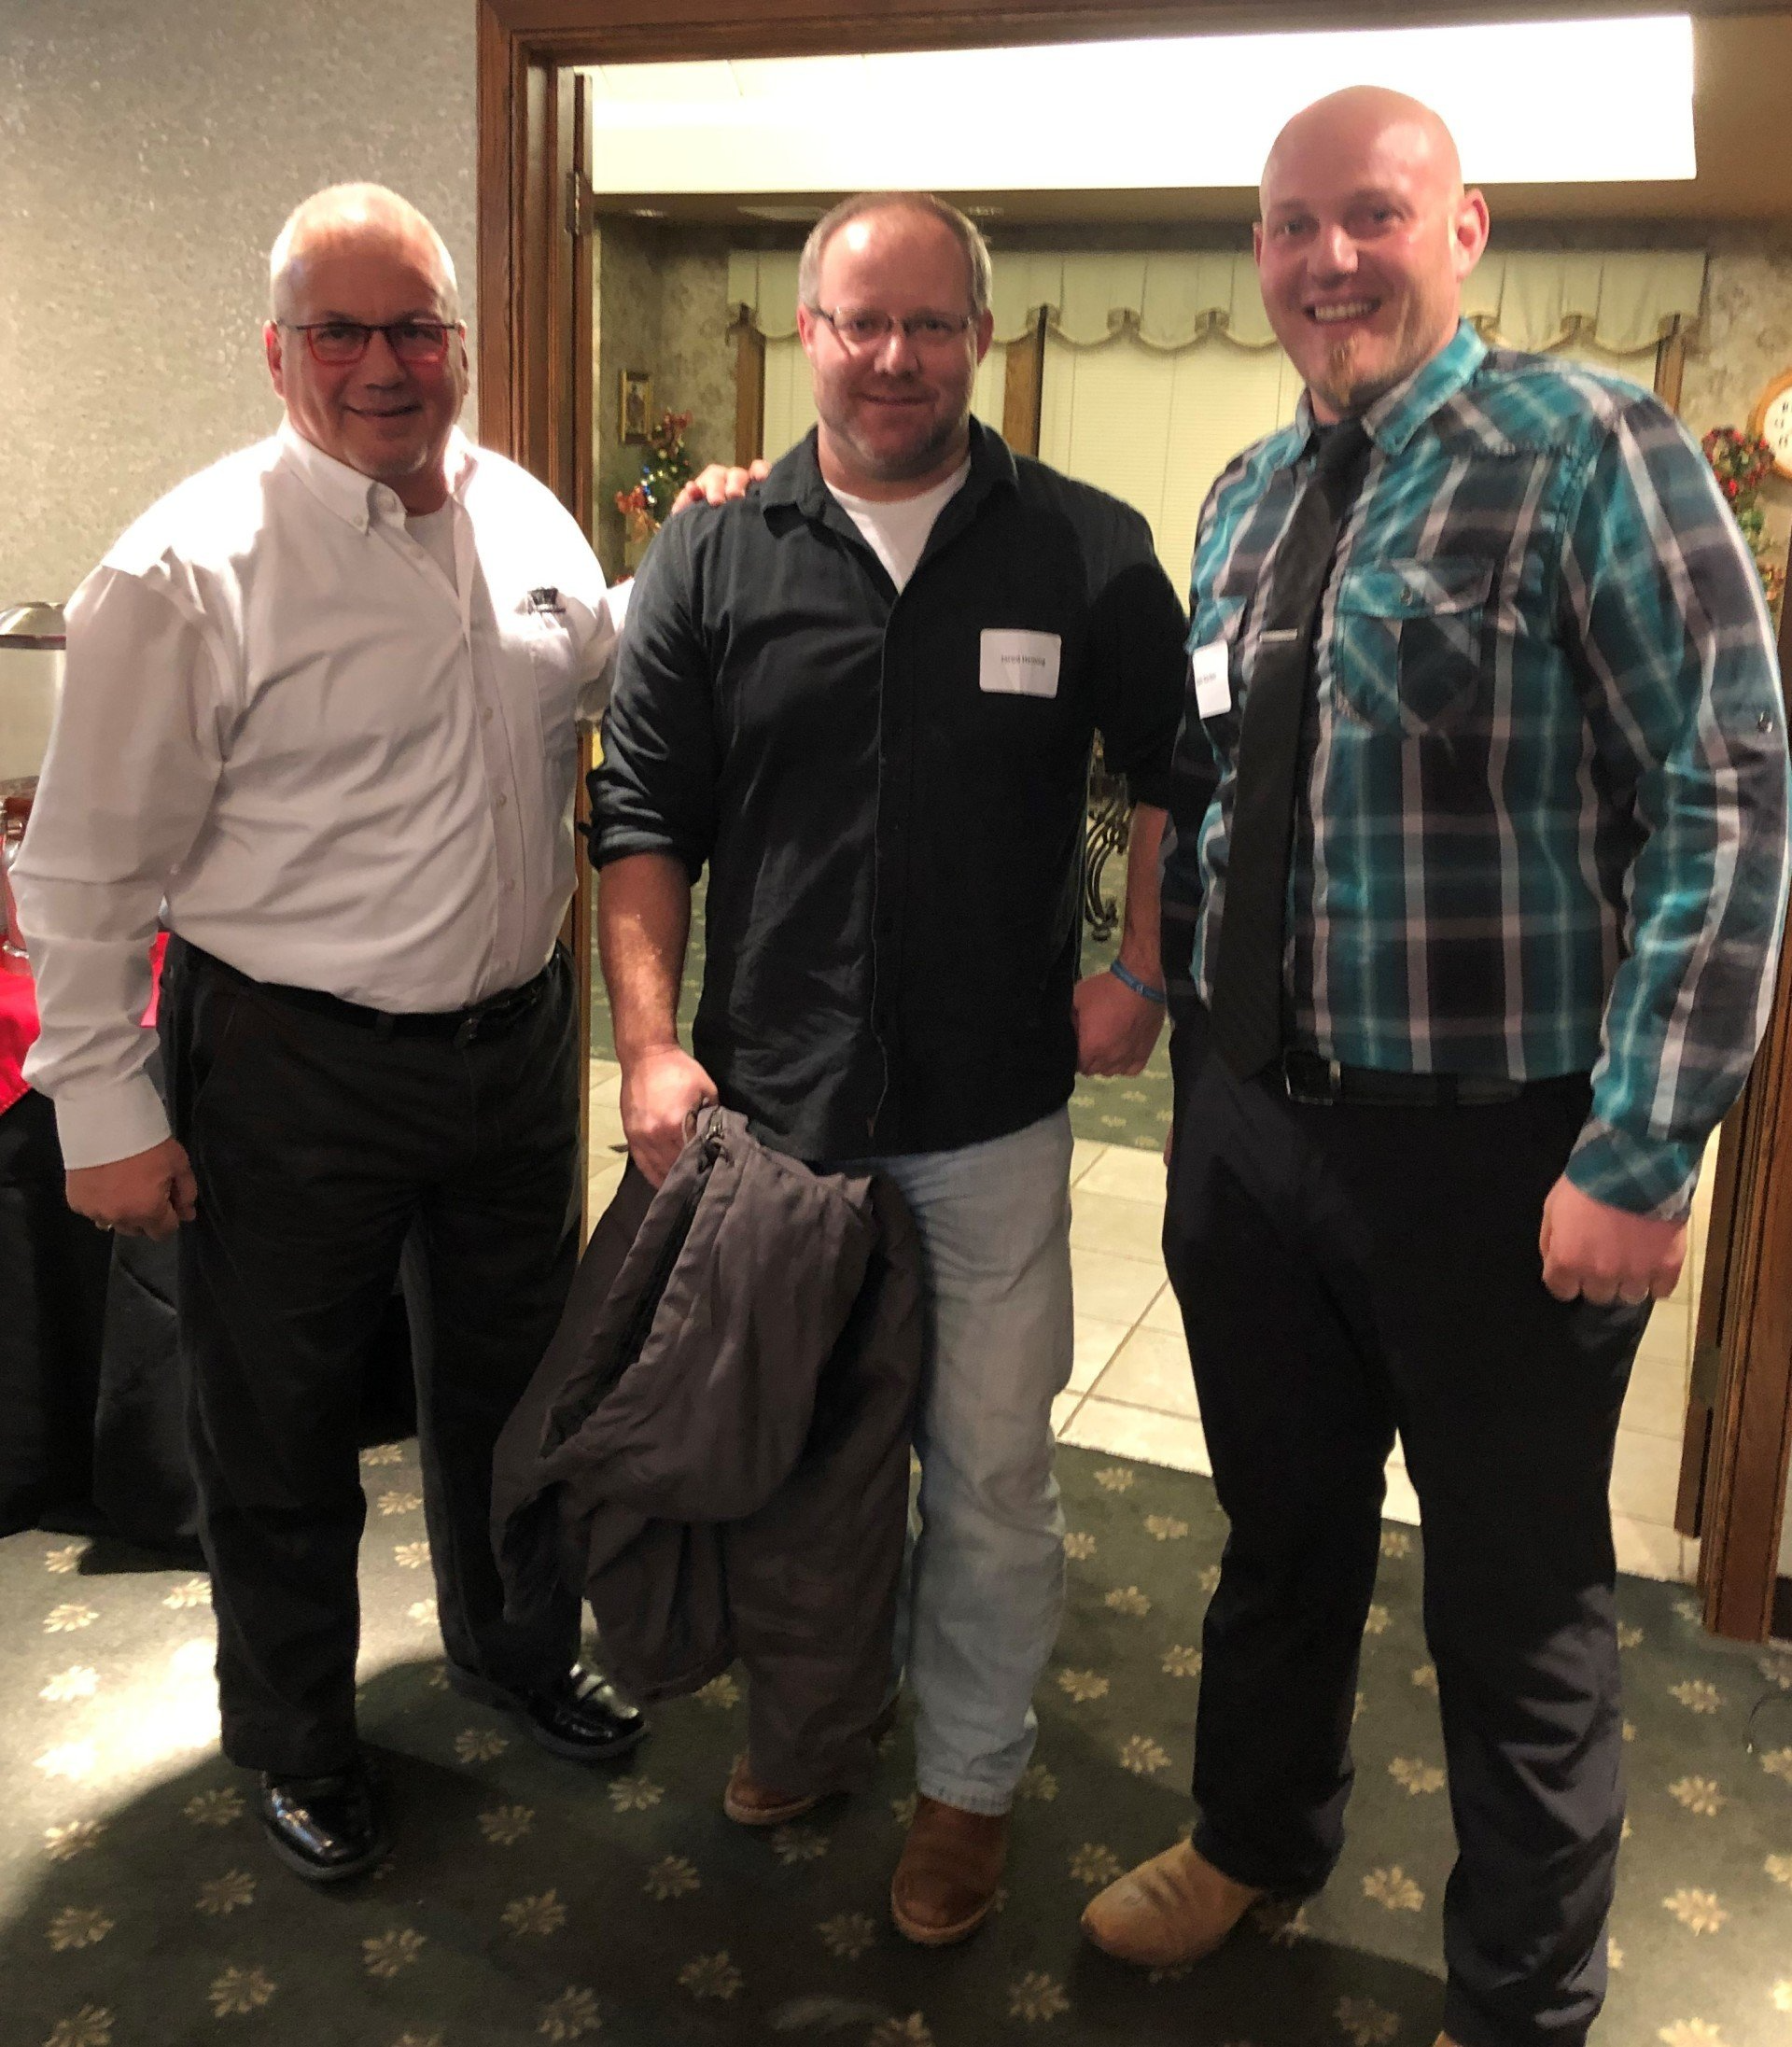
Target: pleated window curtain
(1160, 365)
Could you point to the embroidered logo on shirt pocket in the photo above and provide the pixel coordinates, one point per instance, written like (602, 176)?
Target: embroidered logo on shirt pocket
(1408, 640)
(544, 625)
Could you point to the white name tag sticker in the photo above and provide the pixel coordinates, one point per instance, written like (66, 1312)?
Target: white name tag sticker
(1209, 670)
(1018, 663)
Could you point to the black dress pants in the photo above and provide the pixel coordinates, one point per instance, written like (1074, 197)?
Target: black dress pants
(319, 1147)
(1344, 1273)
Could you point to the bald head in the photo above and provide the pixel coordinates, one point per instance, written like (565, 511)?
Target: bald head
(354, 216)
(1364, 238)
(1358, 120)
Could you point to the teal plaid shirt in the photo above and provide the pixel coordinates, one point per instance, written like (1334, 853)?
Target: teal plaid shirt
(1543, 819)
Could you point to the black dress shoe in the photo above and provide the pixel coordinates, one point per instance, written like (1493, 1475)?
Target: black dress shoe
(579, 1716)
(327, 1829)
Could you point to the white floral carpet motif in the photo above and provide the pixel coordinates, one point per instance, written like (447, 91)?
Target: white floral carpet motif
(527, 1901)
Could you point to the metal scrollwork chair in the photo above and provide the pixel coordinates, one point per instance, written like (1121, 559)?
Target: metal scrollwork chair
(1109, 824)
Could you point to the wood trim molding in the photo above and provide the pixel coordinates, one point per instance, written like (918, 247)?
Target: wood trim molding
(749, 390)
(499, 61)
(566, 28)
(583, 948)
(1752, 1428)
(1707, 1335)
(1671, 366)
(1023, 387)
(516, 38)
(520, 44)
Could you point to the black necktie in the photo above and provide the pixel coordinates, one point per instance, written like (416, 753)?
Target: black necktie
(1247, 974)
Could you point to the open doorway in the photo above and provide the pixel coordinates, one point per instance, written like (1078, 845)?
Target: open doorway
(547, 391)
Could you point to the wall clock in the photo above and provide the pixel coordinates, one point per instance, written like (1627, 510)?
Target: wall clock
(1772, 420)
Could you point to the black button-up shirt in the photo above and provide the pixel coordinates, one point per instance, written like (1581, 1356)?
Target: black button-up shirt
(894, 826)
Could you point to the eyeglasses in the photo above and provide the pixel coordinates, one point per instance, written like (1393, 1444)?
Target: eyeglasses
(338, 342)
(862, 332)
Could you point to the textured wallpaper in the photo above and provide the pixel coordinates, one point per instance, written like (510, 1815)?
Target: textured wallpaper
(149, 151)
(625, 319)
(1746, 339)
(660, 306)
(695, 348)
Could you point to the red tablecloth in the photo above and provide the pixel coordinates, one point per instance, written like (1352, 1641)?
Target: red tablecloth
(19, 1021)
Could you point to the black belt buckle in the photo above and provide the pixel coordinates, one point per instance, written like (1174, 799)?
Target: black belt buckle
(1483, 1090)
(1310, 1079)
(500, 1009)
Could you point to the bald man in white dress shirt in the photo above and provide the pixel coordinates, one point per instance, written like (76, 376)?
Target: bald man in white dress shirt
(320, 703)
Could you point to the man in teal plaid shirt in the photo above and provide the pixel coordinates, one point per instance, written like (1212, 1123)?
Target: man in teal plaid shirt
(1533, 820)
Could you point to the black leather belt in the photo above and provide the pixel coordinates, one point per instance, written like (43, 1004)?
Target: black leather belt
(485, 1019)
(1305, 1076)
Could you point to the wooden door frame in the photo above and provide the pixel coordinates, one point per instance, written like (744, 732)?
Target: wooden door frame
(1750, 1431)
(534, 401)
(523, 46)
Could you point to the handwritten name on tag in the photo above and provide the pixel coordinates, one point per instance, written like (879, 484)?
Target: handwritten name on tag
(1208, 670)
(1019, 663)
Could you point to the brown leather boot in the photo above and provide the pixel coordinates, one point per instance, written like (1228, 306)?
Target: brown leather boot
(750, 1803)
(950, 1867)
(1176, 1908)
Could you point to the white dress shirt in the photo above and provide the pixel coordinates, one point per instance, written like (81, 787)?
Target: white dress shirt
(288, 732)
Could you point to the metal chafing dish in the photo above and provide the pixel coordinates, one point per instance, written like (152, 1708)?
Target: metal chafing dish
(32, 639)
(31, 679)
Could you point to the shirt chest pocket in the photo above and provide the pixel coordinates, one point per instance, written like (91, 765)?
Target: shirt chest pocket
(548, 635)
(1409, 640)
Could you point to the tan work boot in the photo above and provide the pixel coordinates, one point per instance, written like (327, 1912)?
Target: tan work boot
(950, 1867)
(1176, 1908)
(750, 1803)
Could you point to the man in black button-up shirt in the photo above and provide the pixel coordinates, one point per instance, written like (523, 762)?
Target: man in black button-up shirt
(865, 696)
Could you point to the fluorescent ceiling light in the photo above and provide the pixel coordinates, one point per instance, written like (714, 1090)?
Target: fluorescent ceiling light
(1541, 101)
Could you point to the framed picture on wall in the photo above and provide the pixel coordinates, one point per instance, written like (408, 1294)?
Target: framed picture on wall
(634, 407)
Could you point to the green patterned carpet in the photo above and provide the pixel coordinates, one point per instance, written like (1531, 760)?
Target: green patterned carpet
(528, 1901)
(1105, 1111)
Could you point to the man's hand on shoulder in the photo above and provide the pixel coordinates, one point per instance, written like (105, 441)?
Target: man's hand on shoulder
(660, 1089)
(1115, 1028)
(147, 1195)
(1606, 1254)
(719, 482)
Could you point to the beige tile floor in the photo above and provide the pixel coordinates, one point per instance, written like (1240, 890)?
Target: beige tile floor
(1130, 1391)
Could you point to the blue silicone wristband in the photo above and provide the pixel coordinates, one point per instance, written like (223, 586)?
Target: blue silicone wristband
(1127, 979)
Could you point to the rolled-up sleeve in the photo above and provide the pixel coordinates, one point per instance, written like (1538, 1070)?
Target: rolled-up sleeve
(132, 763)
(655, 790)
(1665, 614)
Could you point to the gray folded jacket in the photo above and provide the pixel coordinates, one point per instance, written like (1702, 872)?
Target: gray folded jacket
(716, 1445)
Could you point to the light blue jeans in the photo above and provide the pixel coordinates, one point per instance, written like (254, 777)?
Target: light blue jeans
(984, 1583)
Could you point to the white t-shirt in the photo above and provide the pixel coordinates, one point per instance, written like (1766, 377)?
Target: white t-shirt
(897, 527)
(436, 531)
